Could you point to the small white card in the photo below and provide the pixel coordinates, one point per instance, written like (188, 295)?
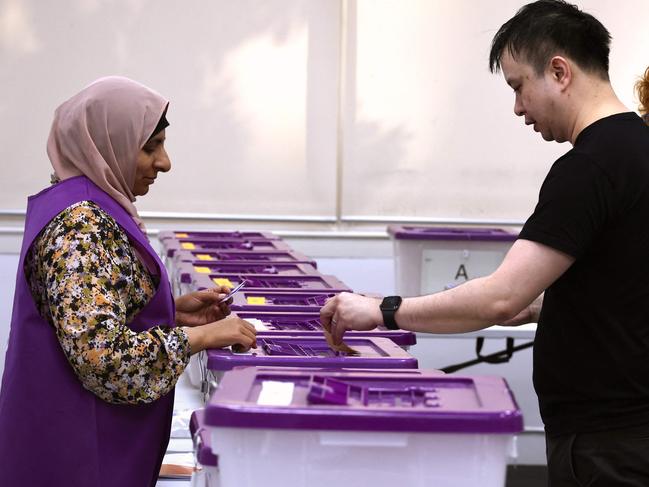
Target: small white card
(258, 324)
(274, 393)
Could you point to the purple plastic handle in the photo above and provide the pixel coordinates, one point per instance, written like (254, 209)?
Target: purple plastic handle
(326, 390)
(202, 441)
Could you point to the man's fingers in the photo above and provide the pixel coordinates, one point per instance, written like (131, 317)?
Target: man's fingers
(337, 331)
(327, 313)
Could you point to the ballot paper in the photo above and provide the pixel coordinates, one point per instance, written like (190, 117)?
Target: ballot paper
(234, 290)
(342, 348)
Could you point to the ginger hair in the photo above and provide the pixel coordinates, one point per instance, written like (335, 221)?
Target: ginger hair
(642, 89)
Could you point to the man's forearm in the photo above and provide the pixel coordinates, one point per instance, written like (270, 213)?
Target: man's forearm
(528, 269)
(477, 304)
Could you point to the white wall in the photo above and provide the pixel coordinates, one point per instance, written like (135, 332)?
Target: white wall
(429, 131)
(316, 108)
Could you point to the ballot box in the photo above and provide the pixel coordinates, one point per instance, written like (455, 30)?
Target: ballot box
(276, 301)
(262, 282)
(248, 301)
(216, 234)
(242, 256)
(321, 428)
(182, 273)
(202, 245)
(290, 351)
(308, 324)
(432, 259)
(171, 241)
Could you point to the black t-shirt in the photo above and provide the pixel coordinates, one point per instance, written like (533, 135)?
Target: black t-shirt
(591, 353)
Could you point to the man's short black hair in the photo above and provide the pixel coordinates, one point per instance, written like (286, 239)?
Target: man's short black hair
(542, 29)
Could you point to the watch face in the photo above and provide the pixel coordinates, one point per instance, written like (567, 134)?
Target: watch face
(391, 302)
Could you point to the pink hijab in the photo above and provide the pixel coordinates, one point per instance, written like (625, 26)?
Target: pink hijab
(99, 131)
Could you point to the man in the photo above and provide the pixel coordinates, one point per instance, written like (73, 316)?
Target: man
(585, 249)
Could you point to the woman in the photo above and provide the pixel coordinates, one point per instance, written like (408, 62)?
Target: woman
(642, 88)
(94, 351)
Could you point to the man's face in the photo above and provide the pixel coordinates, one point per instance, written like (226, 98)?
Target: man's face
(535, 97)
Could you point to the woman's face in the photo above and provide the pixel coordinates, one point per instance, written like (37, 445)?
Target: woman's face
(151, 159)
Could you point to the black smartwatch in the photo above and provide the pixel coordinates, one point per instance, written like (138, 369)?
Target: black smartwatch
(389, 307)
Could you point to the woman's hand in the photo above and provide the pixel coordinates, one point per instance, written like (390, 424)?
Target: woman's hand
(229, 331)
(202, 307)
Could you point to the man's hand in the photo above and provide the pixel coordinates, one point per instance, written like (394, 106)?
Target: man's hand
(202, 307)
(347, 311)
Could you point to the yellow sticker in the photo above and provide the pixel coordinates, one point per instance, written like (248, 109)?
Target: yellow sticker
(223, 282)
(182, 235)
(256, 300)
(202, 270)
(187, 245)
(204, 257)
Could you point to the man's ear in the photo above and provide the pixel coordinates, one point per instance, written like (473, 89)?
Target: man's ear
(560, 70)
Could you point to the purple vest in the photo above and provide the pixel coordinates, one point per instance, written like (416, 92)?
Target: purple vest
(53, 432)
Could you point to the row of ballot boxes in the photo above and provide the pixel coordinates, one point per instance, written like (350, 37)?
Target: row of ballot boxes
(427, 259)
(295, 412)
(282, 298)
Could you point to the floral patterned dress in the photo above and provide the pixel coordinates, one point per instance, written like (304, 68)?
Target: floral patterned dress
(88, 283)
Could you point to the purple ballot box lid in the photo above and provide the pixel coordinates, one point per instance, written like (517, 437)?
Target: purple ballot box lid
(302, 301)
(314, 352)
(348, 401)
(406, 232)
(262, 282)
(185, 270)
(308, 324)
(216, 234)
(174, 245)
(245, 257)
(338, 371)
(202, 441)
